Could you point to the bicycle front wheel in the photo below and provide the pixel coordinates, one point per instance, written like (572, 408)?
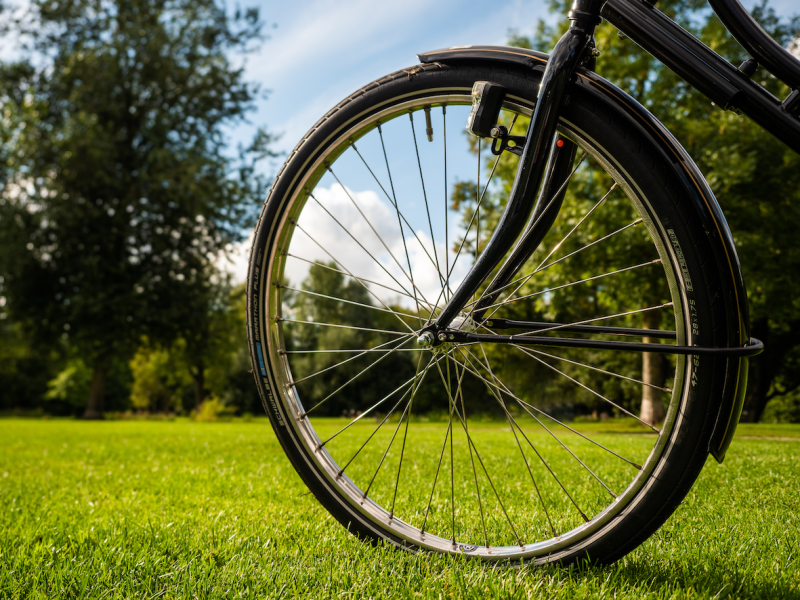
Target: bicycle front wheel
(504, 452)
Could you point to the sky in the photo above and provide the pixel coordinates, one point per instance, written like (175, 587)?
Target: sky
(320, 51)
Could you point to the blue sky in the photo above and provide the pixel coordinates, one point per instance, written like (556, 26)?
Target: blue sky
(320, 51)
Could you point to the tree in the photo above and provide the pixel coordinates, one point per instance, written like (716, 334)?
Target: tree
(536, 377)
(158, 379)
(359, 389)
(24, 369)
(755, 177)
(207, 327)
(117, 191)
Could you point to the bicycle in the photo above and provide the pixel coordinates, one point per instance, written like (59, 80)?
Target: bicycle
(356, 307)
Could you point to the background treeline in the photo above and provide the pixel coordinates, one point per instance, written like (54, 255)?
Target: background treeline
(755, 178)
(119, 195)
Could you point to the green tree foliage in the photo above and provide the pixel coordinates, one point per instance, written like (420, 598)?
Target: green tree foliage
(71, 382)
(71, 385)
(755, 178)
(207, 320)
(229, 373)
(538, 378)
(117, 190)
(182, 376)
(159, 379)
(23, 368)
(357, 384)
(387, 374)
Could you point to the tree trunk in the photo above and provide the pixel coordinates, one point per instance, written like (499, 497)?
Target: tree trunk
(199, 384)
(653, 372)
(97, 390)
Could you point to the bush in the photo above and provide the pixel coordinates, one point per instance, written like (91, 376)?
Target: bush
(783, 409)
(213, 409)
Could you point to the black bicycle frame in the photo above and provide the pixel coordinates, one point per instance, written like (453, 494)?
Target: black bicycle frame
(727, 86)
(542, 167)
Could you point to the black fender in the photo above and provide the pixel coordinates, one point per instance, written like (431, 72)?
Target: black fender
(713, 221)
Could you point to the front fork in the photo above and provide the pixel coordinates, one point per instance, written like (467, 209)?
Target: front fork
(524, 205)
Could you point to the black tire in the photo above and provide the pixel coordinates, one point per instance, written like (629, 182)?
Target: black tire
(679, 452)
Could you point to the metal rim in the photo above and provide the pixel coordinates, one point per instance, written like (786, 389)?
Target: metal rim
(273, 266)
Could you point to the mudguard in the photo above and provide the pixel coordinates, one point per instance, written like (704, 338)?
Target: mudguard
(713, 221)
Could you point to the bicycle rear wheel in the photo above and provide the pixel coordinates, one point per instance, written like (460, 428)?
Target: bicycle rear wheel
(373, 220)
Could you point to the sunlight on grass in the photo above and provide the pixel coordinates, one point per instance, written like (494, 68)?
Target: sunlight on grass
(181, 509)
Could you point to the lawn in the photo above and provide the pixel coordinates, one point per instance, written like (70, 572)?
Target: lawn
(150, 509)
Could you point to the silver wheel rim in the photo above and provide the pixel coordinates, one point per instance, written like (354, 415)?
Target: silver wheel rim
(327, 466)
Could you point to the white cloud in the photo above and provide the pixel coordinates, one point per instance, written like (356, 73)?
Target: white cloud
(322, 51)
(379, 254)
(322, 30)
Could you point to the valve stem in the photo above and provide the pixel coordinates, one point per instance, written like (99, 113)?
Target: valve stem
(428, 126)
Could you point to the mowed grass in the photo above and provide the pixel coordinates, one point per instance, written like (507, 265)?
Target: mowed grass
(136, 509)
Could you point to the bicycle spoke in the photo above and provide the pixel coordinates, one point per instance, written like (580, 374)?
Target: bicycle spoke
(563, 445)
(594, 243)
(446, 203)
(374, 431)
(403, 447)
(339, 364)
(460, 393)
(395, 203)
(587, 388)
(348, 274)
(364, 285)
(564, 239)
(408, 275)
(578, 224)
(528, 230)
(527, 405)
(379, 263)
(463, 240)
(516, 439)
(283, 319)
(552, 418)
(354, 377)
(424, 194)
(436, 476)
(480, 461)
(510, 299)
(394, 435)
(400, 216)
(593, 320)
(309, 292)
(541, 458)
(477, 207)
(585, 366)
(452, 474)
(550, 470)
(376, 405)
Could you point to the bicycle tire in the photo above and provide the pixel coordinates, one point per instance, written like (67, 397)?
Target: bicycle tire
(634, 156)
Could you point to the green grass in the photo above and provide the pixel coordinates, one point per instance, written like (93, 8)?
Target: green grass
(141, 509)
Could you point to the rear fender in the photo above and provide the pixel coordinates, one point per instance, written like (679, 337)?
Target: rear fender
(713, 221)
